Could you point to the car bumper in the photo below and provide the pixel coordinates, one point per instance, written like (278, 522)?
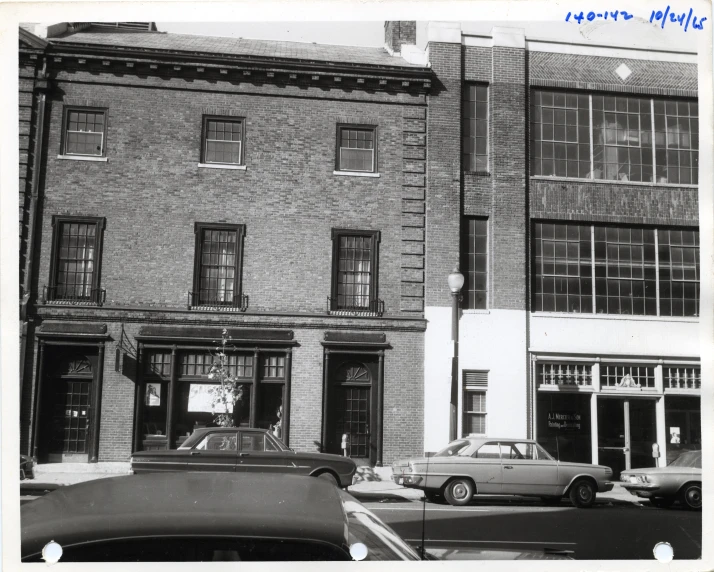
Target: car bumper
(605, 487)
(411, 481)
(645, 490)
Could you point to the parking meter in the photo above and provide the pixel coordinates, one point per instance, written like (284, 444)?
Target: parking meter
(655, 450)
(345, 441)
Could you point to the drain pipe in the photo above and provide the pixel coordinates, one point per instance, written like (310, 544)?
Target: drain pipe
(41, 85)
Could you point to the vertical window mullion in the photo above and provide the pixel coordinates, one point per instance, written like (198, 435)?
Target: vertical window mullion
(592, 152)
(656, 237)
(592, 264)
(654, 167)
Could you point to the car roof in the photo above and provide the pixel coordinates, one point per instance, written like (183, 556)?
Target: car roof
(481, 439)
(186, 503)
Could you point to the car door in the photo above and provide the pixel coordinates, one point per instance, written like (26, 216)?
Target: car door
(525, 472)
(484, 466)
(258, 453)
(217, 451)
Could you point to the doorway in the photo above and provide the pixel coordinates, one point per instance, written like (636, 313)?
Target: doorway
(350, 409)
(627, 429)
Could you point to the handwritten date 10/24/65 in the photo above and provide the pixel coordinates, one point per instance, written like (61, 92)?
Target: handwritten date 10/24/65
(662, 17)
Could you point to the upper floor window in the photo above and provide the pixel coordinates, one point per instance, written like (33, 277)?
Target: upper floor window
(218, 263)
(356, 148)
(354, 271)
(615, 270)
(474, 261)
(474, 140)
(84, 131)
(616, 138)
(76, 258)
(222, 141)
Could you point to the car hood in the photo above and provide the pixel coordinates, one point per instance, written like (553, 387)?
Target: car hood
(663, 471)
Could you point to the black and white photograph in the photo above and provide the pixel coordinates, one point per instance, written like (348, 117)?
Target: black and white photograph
(328, 281)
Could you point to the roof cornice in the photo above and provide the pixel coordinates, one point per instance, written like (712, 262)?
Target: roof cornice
(32, 40)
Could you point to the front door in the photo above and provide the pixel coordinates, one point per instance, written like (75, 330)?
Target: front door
(258, 454)
(70, 421)
(627, 429)
(525, 472)
(350, 427)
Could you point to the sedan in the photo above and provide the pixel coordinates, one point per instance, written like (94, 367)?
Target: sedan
(241, 450)
(681, 481)
(485, 465)
(203, 517)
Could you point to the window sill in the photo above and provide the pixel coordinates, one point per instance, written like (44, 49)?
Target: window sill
(218, 166)
(477, 173)
(631, 317)
(82, 158)
(354, 174)
(611, 182)
(472, 311)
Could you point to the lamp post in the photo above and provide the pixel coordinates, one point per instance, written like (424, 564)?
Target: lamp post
(456, 282)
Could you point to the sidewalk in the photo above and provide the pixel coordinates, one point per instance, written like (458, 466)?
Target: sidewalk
(370, 484)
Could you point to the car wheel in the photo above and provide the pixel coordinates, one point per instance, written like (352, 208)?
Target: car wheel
(691, 496)
(434, 497)
(551, 500)
(328, 477)
(582, 494)
(459, 492)
(661, 502)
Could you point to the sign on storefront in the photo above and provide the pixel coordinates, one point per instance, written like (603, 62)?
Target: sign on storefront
(564, 421)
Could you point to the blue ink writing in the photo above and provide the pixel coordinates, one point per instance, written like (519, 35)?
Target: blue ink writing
(684, 19)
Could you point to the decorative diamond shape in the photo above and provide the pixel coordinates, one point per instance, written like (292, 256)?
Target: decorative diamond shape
(623, 71)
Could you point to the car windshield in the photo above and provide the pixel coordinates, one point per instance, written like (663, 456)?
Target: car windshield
(691, 459)
(462, 448)
(381, 541)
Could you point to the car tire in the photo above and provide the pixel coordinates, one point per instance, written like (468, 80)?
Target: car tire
(582, 493)
(434, 497)
(551, 500)
(661, 502)
(459, 492)
(328, 477)
(691, 496)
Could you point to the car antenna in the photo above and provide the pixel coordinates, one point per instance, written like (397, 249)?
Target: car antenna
(557, 447)
(423, 513)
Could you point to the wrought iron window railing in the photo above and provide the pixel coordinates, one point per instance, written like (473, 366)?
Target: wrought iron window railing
(355, 306)
(72, 295)
(202, 301)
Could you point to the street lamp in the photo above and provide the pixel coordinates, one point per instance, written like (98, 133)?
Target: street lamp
(456, 282)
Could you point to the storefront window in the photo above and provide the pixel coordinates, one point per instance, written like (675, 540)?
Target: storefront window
(683, 419)
(563, 426)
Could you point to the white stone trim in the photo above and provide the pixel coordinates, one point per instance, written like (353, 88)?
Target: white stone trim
(355, 174)
(443, 32)
(535, 45)
(221, 166)
(508, 37)
(82, 158)
(620, 317)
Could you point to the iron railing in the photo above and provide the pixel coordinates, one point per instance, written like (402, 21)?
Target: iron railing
(70, 295)
(355, 306)
(204, 301)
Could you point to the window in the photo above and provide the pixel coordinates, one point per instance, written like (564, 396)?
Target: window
(84, 132)
(563, 274)
(618, 144)
(223, 141)
(624, 270)
(474, 140)
(474, 403)
(217, 273)
(474, 255)
(77, 246)
(612, 375)
(354, 271)
(356, 149)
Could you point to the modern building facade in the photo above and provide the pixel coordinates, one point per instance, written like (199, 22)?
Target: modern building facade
(570, 201)
(183, 187)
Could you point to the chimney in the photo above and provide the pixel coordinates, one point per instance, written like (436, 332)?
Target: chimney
(398, 34)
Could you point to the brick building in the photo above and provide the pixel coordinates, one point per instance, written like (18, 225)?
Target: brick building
(175, 186)
(570, 200)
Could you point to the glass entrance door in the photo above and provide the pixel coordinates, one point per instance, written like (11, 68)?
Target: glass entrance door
(627, 429)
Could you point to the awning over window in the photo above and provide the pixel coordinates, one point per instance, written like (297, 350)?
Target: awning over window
(198, 334)
(72, 330)
(361, 339)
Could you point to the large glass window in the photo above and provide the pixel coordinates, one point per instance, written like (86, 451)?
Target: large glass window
(474, 257)
(563, 273)
(217, 278)
(76, 257)
(474, 141)
(354, 271)
(624, 269)
(618, 145)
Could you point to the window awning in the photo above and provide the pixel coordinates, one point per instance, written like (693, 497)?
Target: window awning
(356, 339)
(72, 330)
(214, 335)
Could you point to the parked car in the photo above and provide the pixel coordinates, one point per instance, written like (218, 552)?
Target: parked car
(234, 449)
(488, 465)
(205, 517)
(681, 481)
(27, 467)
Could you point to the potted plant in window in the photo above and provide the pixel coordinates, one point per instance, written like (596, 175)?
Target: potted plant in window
(228, 392)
